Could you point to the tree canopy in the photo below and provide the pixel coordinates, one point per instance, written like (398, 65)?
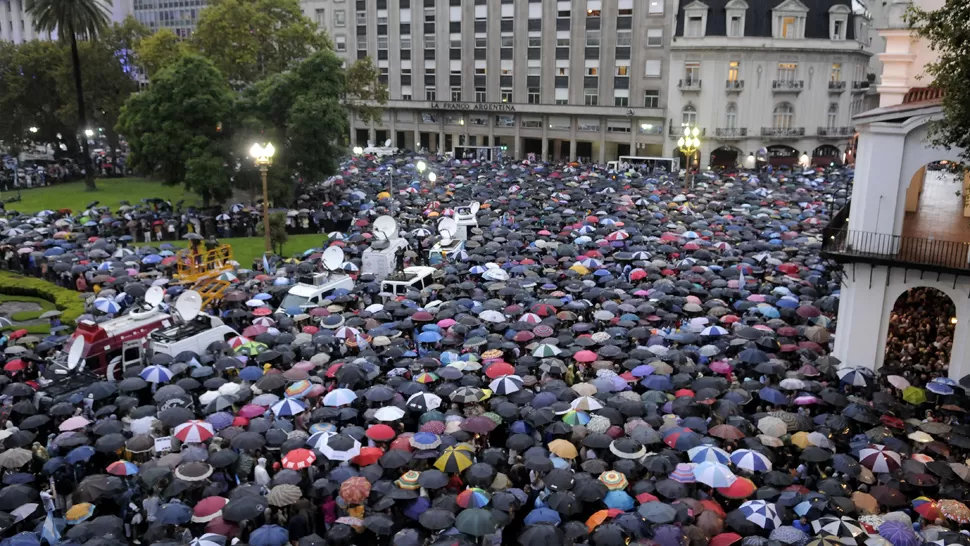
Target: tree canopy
(948, 31)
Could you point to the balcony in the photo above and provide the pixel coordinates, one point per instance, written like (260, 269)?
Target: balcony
(836, 87)
(835, 132)
(783, 132)
(860, 86)
(734, 86)
(689, 85)
(845, 245)
(677, 131)
(787, 86)
(730, 133)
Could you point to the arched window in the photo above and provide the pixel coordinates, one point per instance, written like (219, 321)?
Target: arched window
(784, 116)
(731, 116)
(833, 115)
(689, 115)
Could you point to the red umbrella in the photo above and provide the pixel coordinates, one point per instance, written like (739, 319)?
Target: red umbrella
(742, 488)
(17, 334)
(222, 527)
(725, 539)
(498, 369)
(543, 309)
(355, 490)
(367, 456)
(208, 509)
(585, 356)
(298, 459)
(262, 312)
(14, 365)
(380, 433)
(402, 442)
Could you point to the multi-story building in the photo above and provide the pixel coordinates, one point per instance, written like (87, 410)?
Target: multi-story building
(17, 26)
(560, 79)
(179, 16)
(783, 77)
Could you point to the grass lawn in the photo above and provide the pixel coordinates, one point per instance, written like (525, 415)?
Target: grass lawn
(111, 191)
(21, 316)
(246, 249)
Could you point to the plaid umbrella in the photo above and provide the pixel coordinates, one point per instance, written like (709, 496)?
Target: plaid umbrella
(355, 490)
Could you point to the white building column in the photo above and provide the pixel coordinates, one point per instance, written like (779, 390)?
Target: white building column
(602, 154)
(572, 138)
(545, 138)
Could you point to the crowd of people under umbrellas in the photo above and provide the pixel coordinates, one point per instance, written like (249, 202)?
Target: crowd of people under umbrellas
(611, 360)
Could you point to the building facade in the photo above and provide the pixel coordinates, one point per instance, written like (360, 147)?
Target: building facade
(779, 77)
(179, 16)
(17, 26)
(560, 79)
(902, 58)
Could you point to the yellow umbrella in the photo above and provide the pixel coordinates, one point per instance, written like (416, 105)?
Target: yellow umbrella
(580, 268)
(453, 461)
(79, 512)
(383, 195)
(914, 395)
(563, 449)
(800, 439)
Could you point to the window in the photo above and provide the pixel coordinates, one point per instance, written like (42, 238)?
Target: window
(787, 71)
(405, 96)
(838, 30)
(535, 41)
(734, 71)
(836, 74)
(479, 42)
(623, 71)
(429, 41)
(688, 115)
(533, 71)
(480, 94)
(508, 41)
(429, 14)
(506, 68)
(562, 42)
(340, 18)
(621, 101)
(506, 95)
(624, 38)
(592, 71)
(652, 68)
(736, 27)
(833, 115)
(783, 116)
(655, 37)
(591, 97)
(382, 42)
(456, 42)
(340, 42)
(731, 116)
(429, 70)
(592, 38)
(692, 73)
(361, 42)
(839, 20)
(405, 42)
(533, 95)
(655, 7)
(562, 70)
(651, 98)
(456, 94)
(788, 27)
(695, 27)
(382, 20)
(361, 17)
(479, 70)
(564, 14)
(429, 93)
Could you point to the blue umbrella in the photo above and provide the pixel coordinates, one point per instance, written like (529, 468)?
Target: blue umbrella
(156, 374)
(22, 539)
(262, 296)
(773, 396)
(288, 407)
(54, 251)
(429, 337)
(543, 515)
(251, 373)
(151, 259)
(657, 383)
(54, 464)
(619, 500)
(269, 535)
(939, 388)
(173, 513)
(80, 454)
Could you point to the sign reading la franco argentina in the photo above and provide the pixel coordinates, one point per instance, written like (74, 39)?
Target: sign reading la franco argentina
(474, 106)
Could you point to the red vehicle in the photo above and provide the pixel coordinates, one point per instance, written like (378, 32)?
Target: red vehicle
(111, 346)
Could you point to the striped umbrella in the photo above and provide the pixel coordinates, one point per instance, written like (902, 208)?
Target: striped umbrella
(409, 480)
(473, 497)
(453, 461)
(714, 474)
(879, 459)
(208, 539)
(845, 528)
(761, 513)
(122, 468)
(614, 481)
(288, 407)
(319, 439)
(298, 389)
(684, 473)
(208, 509)
(546, 350)
(107, 305)
(194, 432)
(507, 384)
(708, 453)
(156, 374)
(339, 397)
(751, 460)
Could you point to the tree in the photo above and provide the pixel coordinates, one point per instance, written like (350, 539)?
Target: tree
(948, 31)
(123, 38)
(366, 95)
(251, 39)
(73, 18)
(277, 231)
(160, 50)
(174, 128)
(29, 95)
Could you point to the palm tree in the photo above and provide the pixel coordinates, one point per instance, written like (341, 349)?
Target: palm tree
(74, 18)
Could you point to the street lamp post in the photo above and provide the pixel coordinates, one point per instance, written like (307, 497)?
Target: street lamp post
(688, 145)
(263, 157)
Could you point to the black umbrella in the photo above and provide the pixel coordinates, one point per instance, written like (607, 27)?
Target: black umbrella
(245, 507)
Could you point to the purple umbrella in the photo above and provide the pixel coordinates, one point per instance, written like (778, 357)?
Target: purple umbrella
(899, 533)
(219, 420)
(669, 535)
(417, 507)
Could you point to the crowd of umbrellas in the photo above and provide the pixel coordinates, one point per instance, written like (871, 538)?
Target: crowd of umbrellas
(611, 360)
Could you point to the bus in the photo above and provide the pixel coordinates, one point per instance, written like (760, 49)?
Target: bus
(650, 164)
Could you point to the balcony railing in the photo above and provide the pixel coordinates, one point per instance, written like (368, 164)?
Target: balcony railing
(676, 131)
(734, 85)
(689, 85)
(730, 132)
(845, 245)
(783, 132)
(836, 132)
(787, 86)
(836, 87)
(860, 86)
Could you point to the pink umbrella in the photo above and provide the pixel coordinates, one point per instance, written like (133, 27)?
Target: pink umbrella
(251, 410)
(585, 356)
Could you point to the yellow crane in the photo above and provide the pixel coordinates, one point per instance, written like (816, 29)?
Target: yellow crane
(203, 271)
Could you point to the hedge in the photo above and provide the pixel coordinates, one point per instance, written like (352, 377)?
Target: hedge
(66, 300)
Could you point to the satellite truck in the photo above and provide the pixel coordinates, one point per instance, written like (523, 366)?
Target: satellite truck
(311, 289)
(382, 257)
(454, 233)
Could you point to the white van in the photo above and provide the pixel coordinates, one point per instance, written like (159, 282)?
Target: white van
(312, 290)
(414, 278)
(194, 335)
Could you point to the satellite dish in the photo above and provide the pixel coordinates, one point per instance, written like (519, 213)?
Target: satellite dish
(474, 207)
(188, 305)
(75, 353)
(333, 258)
(387, 143)
(447, 227)
(154, 296)
(386, 226)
